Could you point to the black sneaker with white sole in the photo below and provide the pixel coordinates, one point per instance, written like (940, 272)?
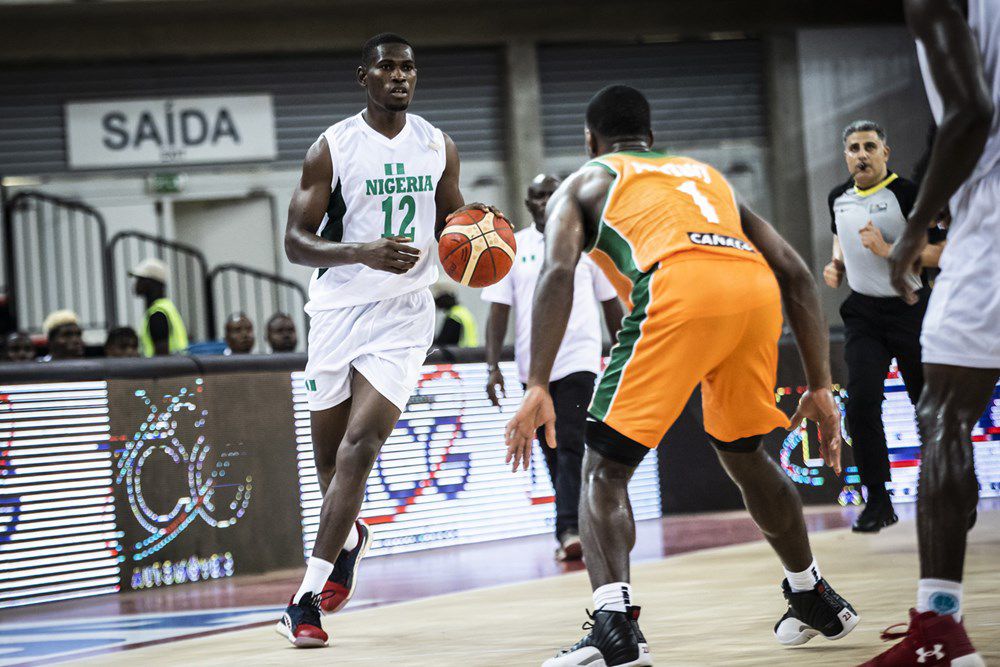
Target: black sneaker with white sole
(817, 612)
(614, 640)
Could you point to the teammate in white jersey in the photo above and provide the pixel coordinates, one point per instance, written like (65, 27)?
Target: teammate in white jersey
(376, 190)
(959, 44)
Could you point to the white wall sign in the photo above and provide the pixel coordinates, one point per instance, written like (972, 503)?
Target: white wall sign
(176, 130)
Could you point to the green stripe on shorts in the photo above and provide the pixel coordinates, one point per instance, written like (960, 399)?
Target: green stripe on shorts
(622, 352)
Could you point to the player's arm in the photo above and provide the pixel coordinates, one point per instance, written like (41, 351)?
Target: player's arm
(448, 197)
(957, 71)
(496, 329)
(569, 216)
(304, 245)
(805, 315)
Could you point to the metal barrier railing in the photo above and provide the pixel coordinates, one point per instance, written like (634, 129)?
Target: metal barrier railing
(236, 288)
(187, 280)
(54, 259)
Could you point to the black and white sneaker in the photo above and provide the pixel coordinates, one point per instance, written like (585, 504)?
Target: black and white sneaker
(817, 612)
(300, 623)
(614, 640)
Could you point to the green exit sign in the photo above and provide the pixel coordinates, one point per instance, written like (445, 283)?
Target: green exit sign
(165, 184)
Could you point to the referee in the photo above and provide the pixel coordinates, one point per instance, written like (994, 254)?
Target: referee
(869, 212)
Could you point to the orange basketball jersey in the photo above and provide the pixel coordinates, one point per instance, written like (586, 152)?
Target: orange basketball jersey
(664, 208)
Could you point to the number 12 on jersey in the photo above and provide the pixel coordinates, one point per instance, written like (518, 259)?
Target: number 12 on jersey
(405, 228)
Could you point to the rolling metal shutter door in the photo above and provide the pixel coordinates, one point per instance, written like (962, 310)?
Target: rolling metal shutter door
(700, 92)
(459, 92)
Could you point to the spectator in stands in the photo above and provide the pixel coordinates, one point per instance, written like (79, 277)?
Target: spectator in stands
(239, 334)
(122, 342)
(65, 336)
(459, 327)
(281, 334)
(18, 347)
(163, 331)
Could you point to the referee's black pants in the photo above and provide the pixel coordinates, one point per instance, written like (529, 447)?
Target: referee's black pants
(876, 330)
(571, 396)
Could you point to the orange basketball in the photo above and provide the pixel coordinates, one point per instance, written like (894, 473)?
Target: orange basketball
(477, 248)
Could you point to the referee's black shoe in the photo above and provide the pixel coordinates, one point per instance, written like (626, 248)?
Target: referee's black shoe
(876, 515)
(614, 640)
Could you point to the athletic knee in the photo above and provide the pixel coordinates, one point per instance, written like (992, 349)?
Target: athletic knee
(360, 446)
(603, 472)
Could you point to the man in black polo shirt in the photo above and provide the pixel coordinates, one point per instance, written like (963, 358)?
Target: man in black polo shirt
(869, 213)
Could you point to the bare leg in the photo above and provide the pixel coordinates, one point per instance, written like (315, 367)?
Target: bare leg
(372, 418)
(607, 527)
(953, 400)
(773, 504)
(328, 428)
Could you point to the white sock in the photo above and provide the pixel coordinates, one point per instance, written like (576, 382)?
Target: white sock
(353, 538)
(940, 596)
(613, 597)
(317, 572)
(805, 580)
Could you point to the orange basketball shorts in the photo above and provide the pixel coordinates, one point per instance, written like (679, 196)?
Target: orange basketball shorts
(710, 321)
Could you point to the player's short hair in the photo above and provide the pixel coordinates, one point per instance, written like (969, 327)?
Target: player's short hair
(368, 48)
(864, 126)
(619, 111)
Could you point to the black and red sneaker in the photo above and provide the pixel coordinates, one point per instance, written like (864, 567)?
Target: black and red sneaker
(339, 586)
(300, 623)
(931, 639)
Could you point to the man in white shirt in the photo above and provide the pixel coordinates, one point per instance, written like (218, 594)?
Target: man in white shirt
(576, 367)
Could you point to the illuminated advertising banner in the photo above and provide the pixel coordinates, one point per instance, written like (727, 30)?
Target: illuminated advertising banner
(137, 484)
(799, 456)
(203, 477)
(59, 537)
(442, 480)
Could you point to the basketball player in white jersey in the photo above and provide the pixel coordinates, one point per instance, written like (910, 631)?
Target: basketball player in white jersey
(959, 47)
(376, 190)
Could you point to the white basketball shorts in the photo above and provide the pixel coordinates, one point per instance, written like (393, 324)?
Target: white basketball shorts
(386, 341)
(962, 325)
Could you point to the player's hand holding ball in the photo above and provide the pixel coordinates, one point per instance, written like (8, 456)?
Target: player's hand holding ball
(390, 254)
(477, 245)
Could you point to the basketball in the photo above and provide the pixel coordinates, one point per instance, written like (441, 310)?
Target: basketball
(477, 248)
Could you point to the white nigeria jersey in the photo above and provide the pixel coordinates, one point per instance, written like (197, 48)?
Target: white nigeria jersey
(984, 20)
(381, 187)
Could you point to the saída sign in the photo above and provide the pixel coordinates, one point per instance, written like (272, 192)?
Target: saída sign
(179, 130)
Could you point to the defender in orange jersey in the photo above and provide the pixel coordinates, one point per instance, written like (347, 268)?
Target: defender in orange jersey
(704, 279)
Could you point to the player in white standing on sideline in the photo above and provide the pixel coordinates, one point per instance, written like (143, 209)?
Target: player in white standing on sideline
(575, 370)
(959, 48)
(376, 190)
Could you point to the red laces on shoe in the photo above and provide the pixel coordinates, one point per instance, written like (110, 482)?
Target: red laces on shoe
(888, 635)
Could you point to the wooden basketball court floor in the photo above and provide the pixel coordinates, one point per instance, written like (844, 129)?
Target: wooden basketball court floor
(712, 607)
